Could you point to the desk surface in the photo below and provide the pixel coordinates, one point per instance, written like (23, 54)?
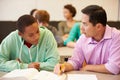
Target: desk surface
(100, 76)
(65, 51)
(2, 73)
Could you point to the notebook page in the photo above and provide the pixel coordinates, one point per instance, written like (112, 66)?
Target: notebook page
(81, 77)
(26, 73)
(45, 75)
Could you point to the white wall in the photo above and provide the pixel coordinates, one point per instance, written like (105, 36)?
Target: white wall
(11, 10)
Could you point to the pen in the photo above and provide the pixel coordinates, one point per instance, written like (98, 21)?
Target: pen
(84, 63)
(62, 68)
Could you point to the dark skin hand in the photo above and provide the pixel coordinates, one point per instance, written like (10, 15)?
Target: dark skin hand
(18, 60)
(34, 65)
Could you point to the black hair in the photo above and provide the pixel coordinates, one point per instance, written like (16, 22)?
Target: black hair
(71, 9)
(32, 11)
(96, 14)
(25, 21)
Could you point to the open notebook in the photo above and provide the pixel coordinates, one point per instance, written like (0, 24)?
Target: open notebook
(32, 74)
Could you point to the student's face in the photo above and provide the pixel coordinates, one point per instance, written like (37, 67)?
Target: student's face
(87, 28)
(67, 13)
(31, 34)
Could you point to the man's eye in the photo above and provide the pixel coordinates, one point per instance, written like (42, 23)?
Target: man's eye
(84, 24)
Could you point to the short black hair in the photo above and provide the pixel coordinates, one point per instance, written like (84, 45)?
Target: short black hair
(71, 9)
(25, 21)
(32, 11)
(96, 14)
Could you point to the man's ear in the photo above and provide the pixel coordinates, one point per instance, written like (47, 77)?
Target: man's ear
(98, 25)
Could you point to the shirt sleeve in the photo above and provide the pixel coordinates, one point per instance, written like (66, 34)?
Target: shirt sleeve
(113, 64)
(74, 34)
(77, 58)
(6, 64)
(51, 55)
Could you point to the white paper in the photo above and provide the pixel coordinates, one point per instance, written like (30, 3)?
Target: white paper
(45, 75)
(32, 74)
(27, 73)
(81, 77)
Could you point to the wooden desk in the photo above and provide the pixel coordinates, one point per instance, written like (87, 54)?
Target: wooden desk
(2, 73)
(65, 53)
(100, 76)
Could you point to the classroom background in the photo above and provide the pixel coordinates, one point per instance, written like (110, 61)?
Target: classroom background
(11, 10)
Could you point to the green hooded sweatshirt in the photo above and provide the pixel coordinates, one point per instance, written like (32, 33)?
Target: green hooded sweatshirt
(12, 48)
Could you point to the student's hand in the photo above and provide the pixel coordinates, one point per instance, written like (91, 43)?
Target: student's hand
(71, 44)
(34, 65)
(65, 37)
(59, 69)
(18, 60)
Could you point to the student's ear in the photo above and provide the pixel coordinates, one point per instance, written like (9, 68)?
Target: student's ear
(20, 33)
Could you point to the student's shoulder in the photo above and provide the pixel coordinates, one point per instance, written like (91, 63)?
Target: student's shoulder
(44, 30)
(51, 28)
(62, 23)
(77, 24)
(11, 36)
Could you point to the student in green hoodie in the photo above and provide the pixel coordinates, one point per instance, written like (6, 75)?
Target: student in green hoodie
(30, 46)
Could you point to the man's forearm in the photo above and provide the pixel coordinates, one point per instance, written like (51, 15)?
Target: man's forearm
(68, 66)
(96, 68)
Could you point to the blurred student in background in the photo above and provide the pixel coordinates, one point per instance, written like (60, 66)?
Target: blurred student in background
(64, 27)
(33, 12)
(43, 19)
(73, 36)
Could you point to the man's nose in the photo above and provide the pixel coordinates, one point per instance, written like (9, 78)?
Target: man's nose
(82, 29)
